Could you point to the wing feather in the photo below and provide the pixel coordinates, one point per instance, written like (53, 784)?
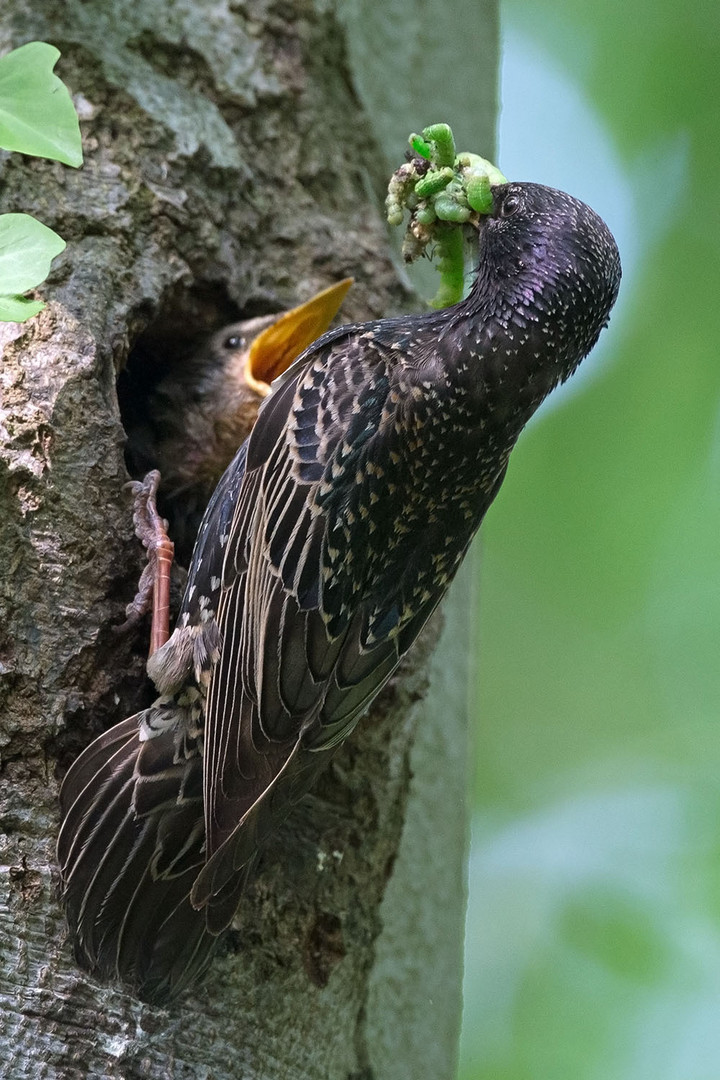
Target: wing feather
(279, 661)
(307, 641)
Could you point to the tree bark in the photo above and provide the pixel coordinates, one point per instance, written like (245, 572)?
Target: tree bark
(230, 170)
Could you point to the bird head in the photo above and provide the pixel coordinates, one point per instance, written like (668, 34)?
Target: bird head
(549, 272)
(257, 350)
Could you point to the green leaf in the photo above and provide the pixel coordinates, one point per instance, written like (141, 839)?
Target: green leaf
(18, 308)
(27, 247)
(37, 115)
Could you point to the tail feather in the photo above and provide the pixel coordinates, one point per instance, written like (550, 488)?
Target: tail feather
(173, 970)
(91, 769)
(142, 904)
(101, 859)
(84, 769)
(220, 881)
(220, 912)
(131, 844)
(167, 947)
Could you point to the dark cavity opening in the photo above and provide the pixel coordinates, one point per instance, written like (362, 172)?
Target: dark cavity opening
(157, 389)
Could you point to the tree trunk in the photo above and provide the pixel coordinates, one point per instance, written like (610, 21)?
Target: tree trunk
(230, 169)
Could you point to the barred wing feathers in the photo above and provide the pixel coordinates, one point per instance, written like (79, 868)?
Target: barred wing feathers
(304, 648)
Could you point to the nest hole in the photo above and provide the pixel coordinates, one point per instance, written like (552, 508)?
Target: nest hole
(164, 366)
(184, 319)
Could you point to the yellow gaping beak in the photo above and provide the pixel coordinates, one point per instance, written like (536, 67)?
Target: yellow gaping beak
(274, 349)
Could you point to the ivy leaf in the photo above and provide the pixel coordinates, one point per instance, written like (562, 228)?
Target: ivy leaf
(27, 247)
(37, 115)
(18, 308)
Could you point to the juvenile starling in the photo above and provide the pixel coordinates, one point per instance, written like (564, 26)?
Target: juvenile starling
(327, 545)
(203, 406)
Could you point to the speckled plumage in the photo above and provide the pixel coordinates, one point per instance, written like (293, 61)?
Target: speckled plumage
(327, 545)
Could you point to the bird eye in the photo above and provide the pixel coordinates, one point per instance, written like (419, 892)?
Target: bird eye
(510, 205)
(235, 341)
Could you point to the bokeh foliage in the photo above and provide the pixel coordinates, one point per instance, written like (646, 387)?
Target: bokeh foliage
(594, 937)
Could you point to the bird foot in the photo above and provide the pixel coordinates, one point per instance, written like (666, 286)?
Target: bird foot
(153, 591)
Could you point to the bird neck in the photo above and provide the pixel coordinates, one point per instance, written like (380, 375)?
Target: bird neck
(509, 356)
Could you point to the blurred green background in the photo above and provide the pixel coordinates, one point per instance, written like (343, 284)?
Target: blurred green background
(593, 939)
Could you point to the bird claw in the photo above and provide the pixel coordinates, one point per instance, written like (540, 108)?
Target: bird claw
(153, 592)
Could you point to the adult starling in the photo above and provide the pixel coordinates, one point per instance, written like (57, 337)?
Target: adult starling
(203, 405)
(327, 545)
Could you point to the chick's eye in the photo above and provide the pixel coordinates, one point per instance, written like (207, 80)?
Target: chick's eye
(510, 206)
(235, 341)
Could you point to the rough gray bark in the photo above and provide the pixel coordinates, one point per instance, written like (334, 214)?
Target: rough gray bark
(229, 170)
